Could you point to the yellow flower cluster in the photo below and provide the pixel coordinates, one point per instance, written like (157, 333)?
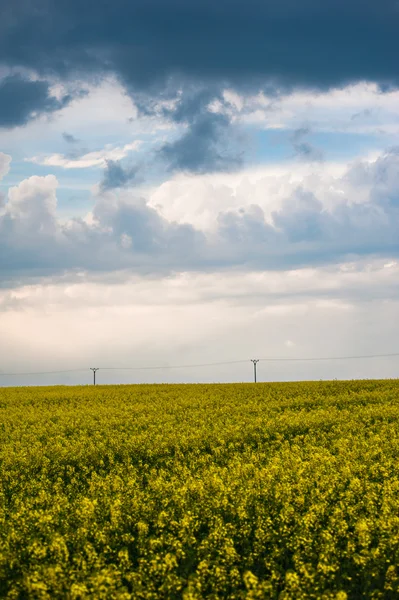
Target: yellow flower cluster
(268, 491)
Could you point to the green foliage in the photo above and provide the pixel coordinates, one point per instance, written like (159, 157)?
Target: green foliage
(287, 491)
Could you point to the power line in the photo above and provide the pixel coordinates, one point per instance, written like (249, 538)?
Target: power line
(146, 368)
(213, 364)
(234, 362)
(43, 372)
(318, 358)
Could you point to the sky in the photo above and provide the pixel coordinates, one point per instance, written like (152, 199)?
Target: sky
(196, 183)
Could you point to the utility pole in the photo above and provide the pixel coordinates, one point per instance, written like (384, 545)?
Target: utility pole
(255, 361)
(94, 374)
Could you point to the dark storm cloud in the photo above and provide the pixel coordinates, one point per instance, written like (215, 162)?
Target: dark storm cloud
(207, 143)
(199, 149)
(22, 99)
(202, 147)
(308, 42)
(159, 49)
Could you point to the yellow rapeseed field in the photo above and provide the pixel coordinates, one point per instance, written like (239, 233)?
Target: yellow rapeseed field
(287, 491)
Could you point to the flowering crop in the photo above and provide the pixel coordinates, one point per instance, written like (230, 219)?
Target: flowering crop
(287, 491)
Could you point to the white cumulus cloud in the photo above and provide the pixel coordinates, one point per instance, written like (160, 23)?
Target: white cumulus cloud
(90, 159)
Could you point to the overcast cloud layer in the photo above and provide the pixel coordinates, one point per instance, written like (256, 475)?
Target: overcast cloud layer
(150, 146)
